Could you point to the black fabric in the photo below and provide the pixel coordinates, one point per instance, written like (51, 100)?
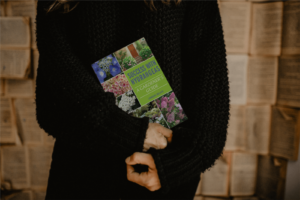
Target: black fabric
(80, 174)
(187, 42)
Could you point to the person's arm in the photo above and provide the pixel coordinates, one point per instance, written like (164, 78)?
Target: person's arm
(200, 140)
(71, 104)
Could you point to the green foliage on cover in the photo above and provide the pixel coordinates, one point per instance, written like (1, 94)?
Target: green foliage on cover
(146, 53)
(122, 55)
(128, 62)
(144, 43)
(139, 46)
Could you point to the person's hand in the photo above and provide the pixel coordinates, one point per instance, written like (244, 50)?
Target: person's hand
(157, 136)
(150, 179)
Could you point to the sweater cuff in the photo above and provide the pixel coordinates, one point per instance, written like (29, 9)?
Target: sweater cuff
(180, 136)
(165, 187)
(141, 138)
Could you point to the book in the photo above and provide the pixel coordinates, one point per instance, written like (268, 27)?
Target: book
(208, 185)
(235, 140)
(271, 177)
(141, 89)
(21, 163)
(288, 81)
(236, 36)
(266, 31)
(257, 129)
(8, 125)
(285, 132)
(243, 174)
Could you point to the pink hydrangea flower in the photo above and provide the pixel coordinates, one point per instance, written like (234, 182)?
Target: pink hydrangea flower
(178, 106)
(167, 115)
(180, 111)
(171, 117)
(172, 96)
(177, 121)
(164, 99)
(181, 116)
(117, 85)
(171, 104)
(163, 104)
(157, 101)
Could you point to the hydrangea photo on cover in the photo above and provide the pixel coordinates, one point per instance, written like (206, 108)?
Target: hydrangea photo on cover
(171, 109)
(117, 85)
(128, 101)
(106, 68)
(150, 110)
(133, 54)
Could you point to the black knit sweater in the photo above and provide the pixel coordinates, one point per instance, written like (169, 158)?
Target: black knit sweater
(187, 42)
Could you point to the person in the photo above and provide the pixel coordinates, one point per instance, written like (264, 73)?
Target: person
(98, 146)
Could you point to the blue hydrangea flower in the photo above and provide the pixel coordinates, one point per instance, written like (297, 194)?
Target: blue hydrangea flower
(115, 61)
(114, 70)
(101, 75)
(109, 56)
(95, 66)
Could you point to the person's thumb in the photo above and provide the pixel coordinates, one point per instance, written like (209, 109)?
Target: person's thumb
(140, 158)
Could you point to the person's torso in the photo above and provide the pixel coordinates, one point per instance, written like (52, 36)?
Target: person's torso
(99, 28)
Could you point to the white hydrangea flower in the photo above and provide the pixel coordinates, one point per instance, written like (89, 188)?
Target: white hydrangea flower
(130, 92)
(126, 102)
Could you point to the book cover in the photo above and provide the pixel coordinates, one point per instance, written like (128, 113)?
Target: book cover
(141, 89)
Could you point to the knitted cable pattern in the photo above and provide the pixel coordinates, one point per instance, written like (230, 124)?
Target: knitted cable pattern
(187, 42)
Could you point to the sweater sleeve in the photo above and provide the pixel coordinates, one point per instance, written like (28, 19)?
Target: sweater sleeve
(70, 102)
(197, 144)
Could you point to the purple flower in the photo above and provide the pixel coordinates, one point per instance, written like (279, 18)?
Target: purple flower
(163, 104)
(158, 103)
(101, 75)
(181, 116)
(178, 106)
(171, 105)
(164, 99)
(171, 117)
(177, 121)
(172, 96)
(180, 111)
(114, 70)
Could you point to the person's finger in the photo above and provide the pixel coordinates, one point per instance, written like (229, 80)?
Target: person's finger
(141, 158)
(165, 131)
(136, 177)
(162, 141)
(130, 169)
(132, 173)
(169, 139)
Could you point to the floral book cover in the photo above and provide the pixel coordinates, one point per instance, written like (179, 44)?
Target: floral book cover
(139, 85)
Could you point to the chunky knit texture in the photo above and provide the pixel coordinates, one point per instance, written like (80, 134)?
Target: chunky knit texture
(187, 42)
